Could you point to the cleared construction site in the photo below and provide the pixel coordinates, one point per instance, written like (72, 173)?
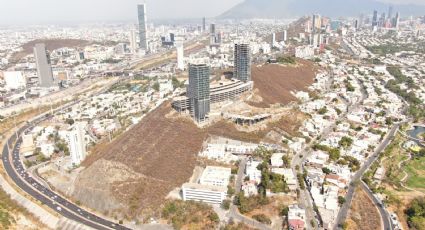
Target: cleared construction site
(135, 172)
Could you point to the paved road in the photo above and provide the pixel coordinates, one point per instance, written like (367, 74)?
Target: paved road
(16, 171)
(342, 215)
(241, 173)
(305, 199)
(386, 219)
(235, 215)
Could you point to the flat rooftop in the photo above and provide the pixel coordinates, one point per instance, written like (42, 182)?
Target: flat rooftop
(215, 173)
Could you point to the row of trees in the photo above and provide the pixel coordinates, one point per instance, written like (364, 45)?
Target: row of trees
(416, 214)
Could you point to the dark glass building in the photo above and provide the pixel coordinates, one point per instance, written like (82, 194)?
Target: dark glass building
(44, 69)
(242, 62)
(141, 9)
(199, 91)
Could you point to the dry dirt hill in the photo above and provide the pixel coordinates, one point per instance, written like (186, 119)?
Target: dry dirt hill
(275, 82)
(51, 44)
(138, 169)
(363, 215)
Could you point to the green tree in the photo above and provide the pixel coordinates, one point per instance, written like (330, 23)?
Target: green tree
(341, 200)
(226, 204)
(156, 86)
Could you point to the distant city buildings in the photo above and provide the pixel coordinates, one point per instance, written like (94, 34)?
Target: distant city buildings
(385, 21)
(204, 24)
(44, 69)
(242, 62)
(142, 26)
(199, 91)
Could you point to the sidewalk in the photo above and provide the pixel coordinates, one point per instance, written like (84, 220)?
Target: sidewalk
(44, 216)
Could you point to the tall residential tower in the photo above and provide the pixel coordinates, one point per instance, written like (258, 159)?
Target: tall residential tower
(180, 54)
(142, 26)
(76, 143)
(44, 69)
(242, 62)
(199, 91)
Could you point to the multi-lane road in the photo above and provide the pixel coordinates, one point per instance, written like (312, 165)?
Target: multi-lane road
(342, 215)
(16, 171)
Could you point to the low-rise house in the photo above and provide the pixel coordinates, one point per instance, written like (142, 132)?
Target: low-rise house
(252, 172)
(276, 160)
(289, 176)
(296, 218)
(250, 188)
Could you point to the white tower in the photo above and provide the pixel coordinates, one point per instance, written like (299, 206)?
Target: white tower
(76, 143)
(285, 35)
(133, 42)
(180, 54)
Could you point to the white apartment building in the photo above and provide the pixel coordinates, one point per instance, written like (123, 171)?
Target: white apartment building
(277, 160)
(252, 172)
(215, 176)
(76, 143)
(204, 193)
(212, 186)
(14, 80)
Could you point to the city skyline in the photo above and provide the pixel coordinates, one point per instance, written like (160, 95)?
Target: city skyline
(64, 12)
(267, 114)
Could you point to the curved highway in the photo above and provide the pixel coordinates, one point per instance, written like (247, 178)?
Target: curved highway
(14, 168)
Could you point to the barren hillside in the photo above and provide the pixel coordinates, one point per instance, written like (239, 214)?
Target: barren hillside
(140, 167)
(363, 214)
(275, 82)
(51, 44)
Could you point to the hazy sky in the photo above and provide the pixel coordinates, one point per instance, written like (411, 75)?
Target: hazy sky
(50, 11)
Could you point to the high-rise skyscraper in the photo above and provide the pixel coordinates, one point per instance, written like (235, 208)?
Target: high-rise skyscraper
(285, 35)
(204, 25)
(44, 69)
(213, 34)
(317, 23)
(273, 41)
(382, 20)
(199, 91)
(397, 20)
(76, 143)
(390, 12)
(180, 54)
(361, 20)
(375, 18)
(133, 41)
(142, 26)
(242, 62)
